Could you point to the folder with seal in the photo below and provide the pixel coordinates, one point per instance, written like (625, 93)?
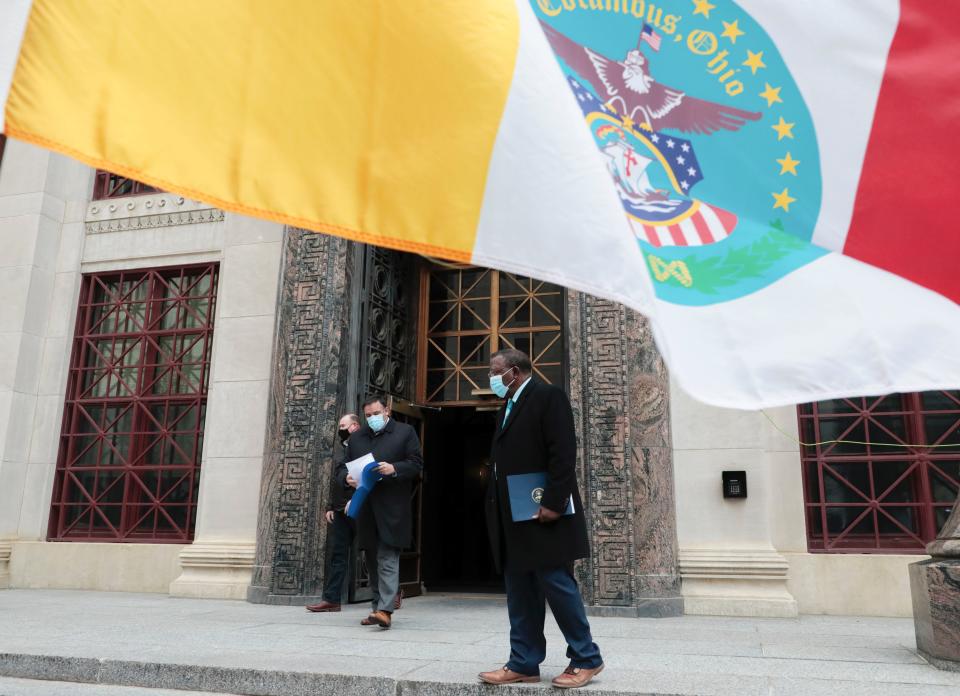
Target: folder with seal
(526, 491)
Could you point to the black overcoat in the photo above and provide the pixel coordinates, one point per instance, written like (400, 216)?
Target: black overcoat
(386, 512)
(340, 492)
(538, 436)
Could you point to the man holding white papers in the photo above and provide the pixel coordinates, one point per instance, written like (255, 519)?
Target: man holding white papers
(535, 523)
(384, 519)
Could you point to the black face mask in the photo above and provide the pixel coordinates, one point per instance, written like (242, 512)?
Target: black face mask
(343, 434)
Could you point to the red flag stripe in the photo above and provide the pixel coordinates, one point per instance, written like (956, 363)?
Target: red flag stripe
(903, 219)
(703, 229)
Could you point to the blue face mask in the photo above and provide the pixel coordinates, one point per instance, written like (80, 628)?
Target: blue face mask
(376, 422)
(498, 387)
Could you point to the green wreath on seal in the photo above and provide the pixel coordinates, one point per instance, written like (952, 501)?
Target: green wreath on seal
(710, 275)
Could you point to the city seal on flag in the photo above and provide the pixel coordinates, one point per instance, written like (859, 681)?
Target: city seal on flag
(706, 136)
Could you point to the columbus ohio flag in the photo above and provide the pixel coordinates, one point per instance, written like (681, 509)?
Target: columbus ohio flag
(771, 182)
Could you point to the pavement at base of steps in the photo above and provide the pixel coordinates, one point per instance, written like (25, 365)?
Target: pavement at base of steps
(82, 643)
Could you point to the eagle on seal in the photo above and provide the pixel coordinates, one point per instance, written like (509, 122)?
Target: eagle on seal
(629, 85)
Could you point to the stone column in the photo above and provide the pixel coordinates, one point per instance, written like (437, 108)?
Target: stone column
(219, 562)
(42, 201)
(309, 375)
(620, 394)
(935, 586)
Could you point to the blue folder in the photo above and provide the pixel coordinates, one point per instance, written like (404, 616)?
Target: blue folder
(525, 492)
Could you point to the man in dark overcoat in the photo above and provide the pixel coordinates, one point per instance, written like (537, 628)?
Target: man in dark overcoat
(342, 528)
(535, 433)
(385, 521)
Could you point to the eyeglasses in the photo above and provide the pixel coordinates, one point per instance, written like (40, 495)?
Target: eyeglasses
(494, 374)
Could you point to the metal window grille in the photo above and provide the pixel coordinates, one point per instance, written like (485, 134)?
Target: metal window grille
(129, 460)
(893, 492)
(110, 185)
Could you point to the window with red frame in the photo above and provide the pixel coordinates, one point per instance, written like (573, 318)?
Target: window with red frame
(129, 461)
(110, 185)
(893, 485)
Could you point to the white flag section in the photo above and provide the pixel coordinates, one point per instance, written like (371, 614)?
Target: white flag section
(13, 20)
(832, 327)
(770, 182)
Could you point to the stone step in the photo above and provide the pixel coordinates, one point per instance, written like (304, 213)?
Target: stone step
(11, 686)
(49, 675)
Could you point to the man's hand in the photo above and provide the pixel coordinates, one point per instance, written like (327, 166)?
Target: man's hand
(546, 515)
(328, 516)
(386, 469)
(352, 482)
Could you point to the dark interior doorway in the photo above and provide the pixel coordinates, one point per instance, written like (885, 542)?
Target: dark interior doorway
(456, 554)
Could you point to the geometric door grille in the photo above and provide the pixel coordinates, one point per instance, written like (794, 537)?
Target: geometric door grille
(128, 466)
(469, 313)
(888, 490)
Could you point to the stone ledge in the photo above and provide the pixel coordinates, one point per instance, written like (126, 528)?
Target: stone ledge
(759, 564)
(736, 582)
(249, 682)
(258, 682)
(215, 570)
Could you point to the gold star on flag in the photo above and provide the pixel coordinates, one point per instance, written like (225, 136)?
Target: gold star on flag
(783, 200)
(771, 94)
(627, 121)
(784, 129)
(754, 61)
(788, 164)
(731, 31)
(702, 8)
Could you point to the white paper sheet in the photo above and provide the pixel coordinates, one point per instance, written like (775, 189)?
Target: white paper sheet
(355, 467)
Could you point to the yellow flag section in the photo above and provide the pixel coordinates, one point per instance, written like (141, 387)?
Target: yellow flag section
(370, 120)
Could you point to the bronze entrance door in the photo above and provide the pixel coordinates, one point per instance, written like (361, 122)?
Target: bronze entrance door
(466, 313)
(387, 304)
(410, 575)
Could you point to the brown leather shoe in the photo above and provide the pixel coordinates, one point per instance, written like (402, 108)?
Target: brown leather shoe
(507, 676)
(323, 606)
(398, 600)
(378, 618)
(575, 677)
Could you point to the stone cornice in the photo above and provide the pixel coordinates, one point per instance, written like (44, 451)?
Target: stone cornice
(146, 212)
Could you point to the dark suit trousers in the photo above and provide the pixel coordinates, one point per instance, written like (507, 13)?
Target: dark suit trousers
(526, 593)
(341, 538)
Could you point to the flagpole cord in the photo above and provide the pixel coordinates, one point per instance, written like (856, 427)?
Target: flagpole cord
(800, 442)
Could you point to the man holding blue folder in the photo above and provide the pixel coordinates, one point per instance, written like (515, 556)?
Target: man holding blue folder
(535, 523)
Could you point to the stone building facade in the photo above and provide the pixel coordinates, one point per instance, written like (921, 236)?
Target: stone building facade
(299, 326)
